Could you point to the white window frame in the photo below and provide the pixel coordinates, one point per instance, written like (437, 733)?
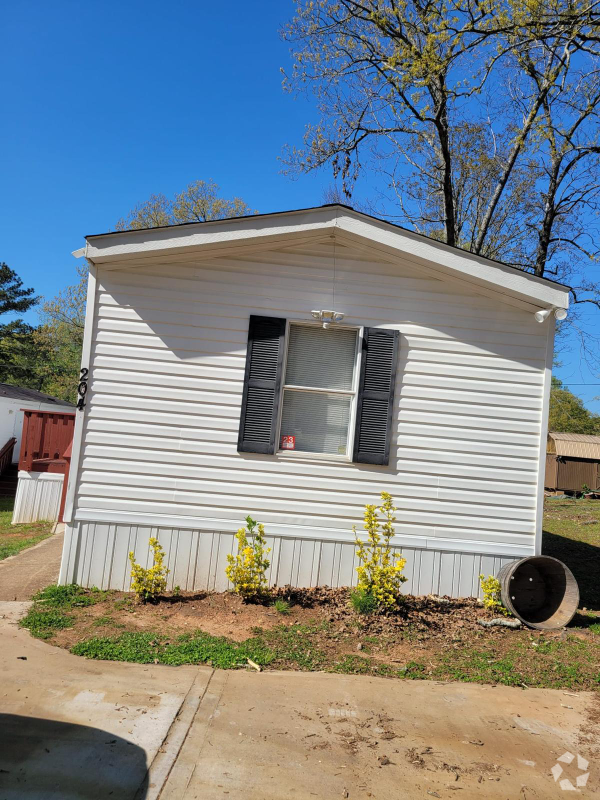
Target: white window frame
(352, 393)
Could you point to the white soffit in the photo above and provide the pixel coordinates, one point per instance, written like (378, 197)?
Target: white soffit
(350, 227)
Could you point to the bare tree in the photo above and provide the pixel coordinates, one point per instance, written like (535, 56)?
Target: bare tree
(481, 116)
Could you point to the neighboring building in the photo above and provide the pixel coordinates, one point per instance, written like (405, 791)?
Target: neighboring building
(572, 462)
(13, 399)
(44, 459)
(216, 392)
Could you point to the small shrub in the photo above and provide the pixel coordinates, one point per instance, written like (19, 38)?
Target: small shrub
(149, 583)
(247, 569)
(492, 597)
(176, 591)
(379, 570)
(282, 606)
(363, 603)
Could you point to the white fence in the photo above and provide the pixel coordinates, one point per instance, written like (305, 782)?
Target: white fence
(38, 497)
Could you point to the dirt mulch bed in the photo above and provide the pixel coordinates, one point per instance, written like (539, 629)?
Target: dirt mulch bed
(421, 631)
(226, 614)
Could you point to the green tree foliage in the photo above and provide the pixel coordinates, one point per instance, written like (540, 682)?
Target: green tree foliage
(52, 352)
(568, 414)
(20, 360)
(199, 202)
(59, 338)
(14, 298)
(481, 117)
(15, 335)
(153, 213)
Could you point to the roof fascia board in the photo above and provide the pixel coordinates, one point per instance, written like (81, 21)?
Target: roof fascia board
(207, 235)
(447, 260)
(285, 229)
(427, 269)
(222, 250)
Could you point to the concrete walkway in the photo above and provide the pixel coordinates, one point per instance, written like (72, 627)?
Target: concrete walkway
(23, 575)
(72, 729)
(89, 729)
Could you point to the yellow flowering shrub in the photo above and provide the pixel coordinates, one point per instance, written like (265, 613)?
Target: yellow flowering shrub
(149, 583)
(247, 569)
(492, 595)
(379, 570)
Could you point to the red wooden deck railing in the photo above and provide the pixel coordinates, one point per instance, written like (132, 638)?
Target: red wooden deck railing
(46, 444)
(6, 455)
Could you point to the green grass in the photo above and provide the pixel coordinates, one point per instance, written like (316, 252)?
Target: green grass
(48, 613)
(296, 645)
(566, 664)
(353, 665)
(195, 648)
(572, 534)
(44, 624)
(14, 538)
(71, 596)
(105, 620)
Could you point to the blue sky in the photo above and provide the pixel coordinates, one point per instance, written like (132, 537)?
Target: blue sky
(106, 103)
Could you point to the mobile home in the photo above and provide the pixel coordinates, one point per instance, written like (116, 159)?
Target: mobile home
(291, 366)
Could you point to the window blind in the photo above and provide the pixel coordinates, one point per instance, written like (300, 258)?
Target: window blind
(321, 358)
(318, 420)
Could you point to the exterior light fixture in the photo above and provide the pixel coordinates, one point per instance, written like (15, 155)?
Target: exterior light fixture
(544, 313)
(327, 316)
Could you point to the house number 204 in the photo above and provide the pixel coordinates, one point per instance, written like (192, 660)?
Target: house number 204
(82, 388)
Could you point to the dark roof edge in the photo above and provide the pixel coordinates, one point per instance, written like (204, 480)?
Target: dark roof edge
(22, 393)
(229, 219)
(437, 242)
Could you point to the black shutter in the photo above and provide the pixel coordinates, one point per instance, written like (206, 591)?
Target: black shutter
(375, 403)
(262, 385)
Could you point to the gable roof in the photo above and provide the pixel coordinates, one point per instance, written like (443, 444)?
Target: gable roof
(574, 445)
(30, 395)
(338, 222)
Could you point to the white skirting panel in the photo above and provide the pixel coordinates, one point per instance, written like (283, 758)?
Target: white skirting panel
(38, 497)
(96, 554)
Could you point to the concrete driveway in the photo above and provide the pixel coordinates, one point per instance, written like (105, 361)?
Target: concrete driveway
(73, 729)
(90, 729)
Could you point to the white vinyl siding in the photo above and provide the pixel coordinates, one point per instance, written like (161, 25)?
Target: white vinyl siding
(166, 380)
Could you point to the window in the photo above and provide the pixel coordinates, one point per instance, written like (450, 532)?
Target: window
(319, 389)
(318, 402)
